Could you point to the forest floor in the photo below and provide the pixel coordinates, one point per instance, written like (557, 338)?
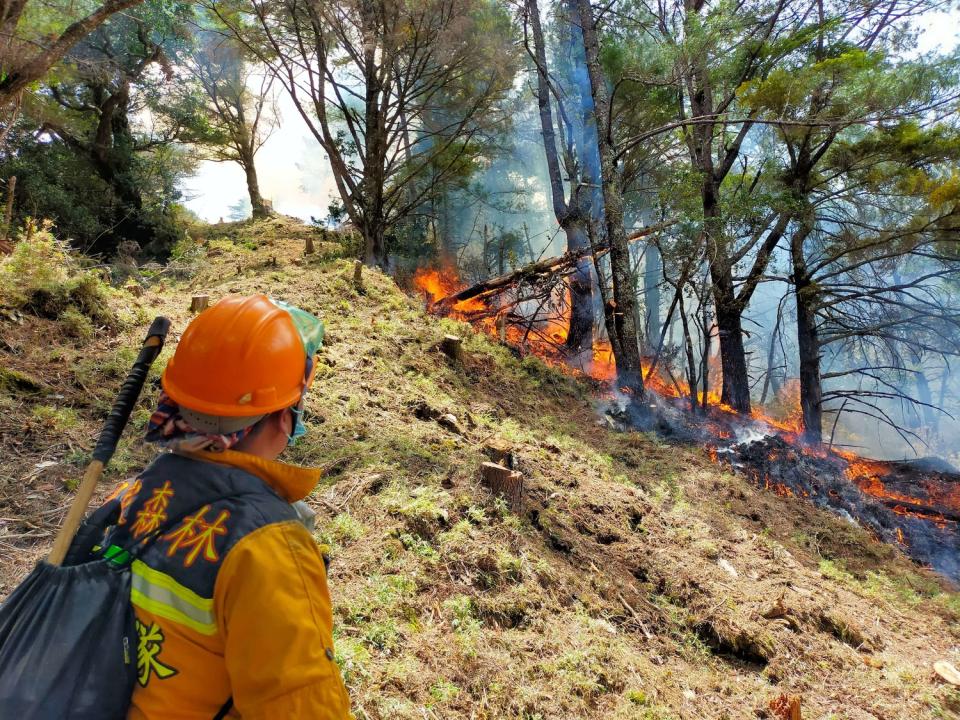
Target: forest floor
(637, 579)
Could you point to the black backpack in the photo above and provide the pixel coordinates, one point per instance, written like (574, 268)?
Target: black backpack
(68, 642)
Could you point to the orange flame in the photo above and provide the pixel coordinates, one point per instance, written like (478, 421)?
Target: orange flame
(546, 338)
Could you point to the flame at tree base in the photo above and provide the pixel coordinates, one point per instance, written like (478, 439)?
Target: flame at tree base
(934, 503)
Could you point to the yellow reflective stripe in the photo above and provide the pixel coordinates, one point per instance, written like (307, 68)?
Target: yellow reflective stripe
(160, 594)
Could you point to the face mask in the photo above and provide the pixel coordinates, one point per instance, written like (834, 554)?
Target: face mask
(299, 429)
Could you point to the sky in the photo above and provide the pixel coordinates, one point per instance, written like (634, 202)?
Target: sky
(294, 173)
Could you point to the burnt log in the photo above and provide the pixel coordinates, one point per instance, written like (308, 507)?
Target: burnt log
(931, 512)
(542, 269)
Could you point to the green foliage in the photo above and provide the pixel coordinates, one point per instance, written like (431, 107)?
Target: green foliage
(76, 324)
(44, 278)
(97, 172)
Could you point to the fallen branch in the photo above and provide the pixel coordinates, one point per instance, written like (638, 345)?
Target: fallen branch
(928, 511)
(537, 271)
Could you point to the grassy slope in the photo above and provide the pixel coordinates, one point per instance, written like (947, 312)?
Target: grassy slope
(632, 584)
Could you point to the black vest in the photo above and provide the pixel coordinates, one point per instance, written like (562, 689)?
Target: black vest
(202, 510)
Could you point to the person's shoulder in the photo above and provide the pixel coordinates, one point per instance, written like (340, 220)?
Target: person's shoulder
(281, 554)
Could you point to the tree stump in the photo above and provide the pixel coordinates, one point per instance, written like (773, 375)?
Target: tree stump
(499, 453)
(503, 481)
(452, 347)
(199, 302)
(309, 249)
(785, 707)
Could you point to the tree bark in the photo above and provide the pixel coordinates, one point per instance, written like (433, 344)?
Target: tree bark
(258, 207)
(580, 335)
(652, 271)
(569, 214)
(629, 372)
(808, 341)
(18, 77)
(375, 150)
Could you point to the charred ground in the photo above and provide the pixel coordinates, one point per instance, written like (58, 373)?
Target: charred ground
(638, 580)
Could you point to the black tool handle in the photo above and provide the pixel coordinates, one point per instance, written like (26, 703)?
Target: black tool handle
(130, 391)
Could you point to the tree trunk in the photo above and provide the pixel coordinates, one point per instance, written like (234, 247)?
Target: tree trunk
(375, 146)
(735, 388)
(258, 207)
(580, 335)
(629, 372)
(375, 246)
(652, 272)
(570, 214)
(808, 342)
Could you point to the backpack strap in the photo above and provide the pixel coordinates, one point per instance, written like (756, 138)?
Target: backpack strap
(227, 707)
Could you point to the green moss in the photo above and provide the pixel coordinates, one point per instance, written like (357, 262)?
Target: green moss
(44, 278)
(76, 325)
(419, 546)
(58, 418)
(462, 613)
(342, 530)
(422, 508)
(17, 382)
(353, 657)
(443, 691)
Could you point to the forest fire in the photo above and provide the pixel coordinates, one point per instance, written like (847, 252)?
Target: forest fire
(915, 505)
(543, 337)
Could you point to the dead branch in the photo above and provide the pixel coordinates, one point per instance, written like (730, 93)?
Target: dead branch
(552, 267)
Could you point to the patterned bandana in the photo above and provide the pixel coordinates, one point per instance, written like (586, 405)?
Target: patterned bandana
(168, 427)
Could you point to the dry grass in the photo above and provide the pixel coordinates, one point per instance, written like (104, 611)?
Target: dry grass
(638, 581)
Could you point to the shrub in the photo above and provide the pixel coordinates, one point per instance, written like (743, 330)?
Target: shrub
(76, 325)
(42, 277)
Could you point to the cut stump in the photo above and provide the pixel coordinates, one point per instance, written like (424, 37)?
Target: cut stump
(199, 302)
(499, 453)
(786, 707)
(503, 481)
(452, 347)
(947, 672)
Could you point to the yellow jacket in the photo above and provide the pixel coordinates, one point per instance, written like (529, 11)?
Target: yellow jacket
(263, 637)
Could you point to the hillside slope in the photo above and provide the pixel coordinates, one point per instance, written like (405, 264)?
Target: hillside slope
(637, 580)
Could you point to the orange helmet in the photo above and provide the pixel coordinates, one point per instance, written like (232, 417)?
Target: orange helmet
(241, 358)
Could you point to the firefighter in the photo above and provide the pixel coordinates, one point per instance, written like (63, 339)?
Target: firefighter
(230, 591)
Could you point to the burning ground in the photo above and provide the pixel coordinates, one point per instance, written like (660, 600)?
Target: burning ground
(915, 505)
(639, 579)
